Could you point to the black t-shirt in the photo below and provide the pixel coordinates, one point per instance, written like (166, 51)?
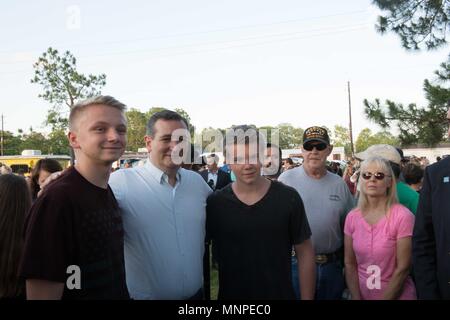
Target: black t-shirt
(76, 223)
(254, 242)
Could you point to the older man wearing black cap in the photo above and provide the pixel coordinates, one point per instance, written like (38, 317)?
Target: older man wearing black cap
(327, 201)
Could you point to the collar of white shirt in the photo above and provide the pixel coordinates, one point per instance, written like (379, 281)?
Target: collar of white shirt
(160, 175)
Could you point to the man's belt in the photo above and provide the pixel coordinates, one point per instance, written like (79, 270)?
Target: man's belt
(324, 257)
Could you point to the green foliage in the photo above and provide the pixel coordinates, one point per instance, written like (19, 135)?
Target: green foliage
(11, 144)
(62, 84)
(137, 122)
(271, 134)
(287, 135)
(418, 23)
(153, 110)
(34, 141)
(365, 139)
(186, 116)
(211, 139)
(426, 125)
(341, 138)
(55, 143)
(58, 143)
(137, 125)
(290, 137)
(57, 119)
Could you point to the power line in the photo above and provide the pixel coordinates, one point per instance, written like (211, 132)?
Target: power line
(287, 37)
(187, 34)
(332, 28)
(231, 47)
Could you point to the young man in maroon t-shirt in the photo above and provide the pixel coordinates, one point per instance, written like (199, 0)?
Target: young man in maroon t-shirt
(74, 234)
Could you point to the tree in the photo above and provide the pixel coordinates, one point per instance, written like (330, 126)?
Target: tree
(153, 110)
(63, 85)
(270, 132)
(57, 142)
(366, 139)
(341, 138)
(137, 122)
(186, 116)
(34, 141)
(363, 140)
(211, 139)
(11, 144)
(290, 137)
(425, 125)
(418, 23)
(137, 125)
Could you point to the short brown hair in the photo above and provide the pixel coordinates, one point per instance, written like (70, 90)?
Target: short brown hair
(413, 173)
(167, 115)
(105, 100)
(242, 134)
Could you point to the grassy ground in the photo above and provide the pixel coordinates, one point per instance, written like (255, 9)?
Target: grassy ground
(214, 283)
(213, 278)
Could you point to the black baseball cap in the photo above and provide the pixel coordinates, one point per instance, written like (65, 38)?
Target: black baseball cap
(316, 133)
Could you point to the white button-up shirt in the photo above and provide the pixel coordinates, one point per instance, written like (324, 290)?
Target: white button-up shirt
(213, 176)
(164, 231)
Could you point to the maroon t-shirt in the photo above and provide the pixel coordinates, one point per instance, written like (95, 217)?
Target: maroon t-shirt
(75, 223)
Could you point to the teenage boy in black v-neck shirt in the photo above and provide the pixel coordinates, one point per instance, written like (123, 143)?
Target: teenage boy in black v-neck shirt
(255, 222)
(74, 234)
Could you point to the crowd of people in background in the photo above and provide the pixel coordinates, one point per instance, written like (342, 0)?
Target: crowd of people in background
(373, 227)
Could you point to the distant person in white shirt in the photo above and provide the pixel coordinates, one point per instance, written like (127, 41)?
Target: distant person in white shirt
(216, 179)
(163, 209)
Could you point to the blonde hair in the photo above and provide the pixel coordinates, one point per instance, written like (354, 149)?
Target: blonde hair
(82, 105)
(391, 193)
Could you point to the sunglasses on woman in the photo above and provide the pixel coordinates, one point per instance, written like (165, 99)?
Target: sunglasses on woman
(319, 146)
(377, 175)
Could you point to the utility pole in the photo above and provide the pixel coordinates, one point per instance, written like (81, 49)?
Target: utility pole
(1, 138)
(350, 118)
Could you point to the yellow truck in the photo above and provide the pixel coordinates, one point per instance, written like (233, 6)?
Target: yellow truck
(28, 159)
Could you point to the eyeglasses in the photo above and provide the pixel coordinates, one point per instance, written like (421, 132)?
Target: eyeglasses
(319, 146)
(377, 175)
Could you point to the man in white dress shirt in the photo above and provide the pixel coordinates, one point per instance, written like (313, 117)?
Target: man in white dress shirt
(163, 209)
(216, 178)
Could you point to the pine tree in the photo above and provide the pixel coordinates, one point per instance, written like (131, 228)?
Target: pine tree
(426, 125)
(418, 23)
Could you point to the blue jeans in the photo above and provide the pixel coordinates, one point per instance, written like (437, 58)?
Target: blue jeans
(330, 282)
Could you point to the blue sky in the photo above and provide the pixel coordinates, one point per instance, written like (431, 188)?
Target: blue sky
(224, 62)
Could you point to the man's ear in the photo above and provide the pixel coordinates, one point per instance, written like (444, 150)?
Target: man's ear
(73, 140)
(330, 149)
(148, 142)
